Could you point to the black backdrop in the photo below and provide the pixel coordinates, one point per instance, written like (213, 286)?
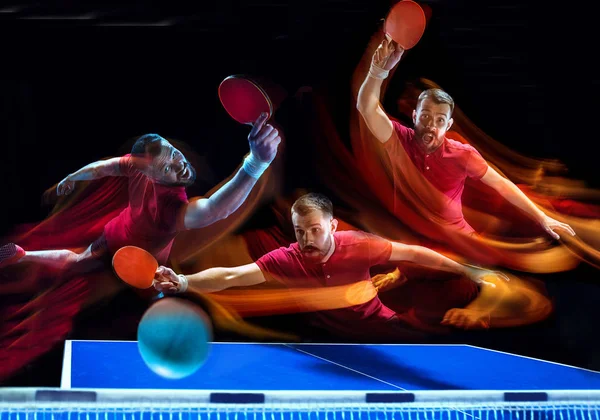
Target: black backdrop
(75, 91)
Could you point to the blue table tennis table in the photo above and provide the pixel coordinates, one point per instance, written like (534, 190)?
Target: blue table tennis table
(324, 367)
(108, 380)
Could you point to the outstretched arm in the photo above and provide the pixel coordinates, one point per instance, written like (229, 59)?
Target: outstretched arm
(368, 103)
(95, 170)
(208, 281)
(264, 140)
(429, 258)
(516, 197)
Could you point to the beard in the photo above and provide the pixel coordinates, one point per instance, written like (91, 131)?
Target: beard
(427, 139)
(313, 254)
(189, 180)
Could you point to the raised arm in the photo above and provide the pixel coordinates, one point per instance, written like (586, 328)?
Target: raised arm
(429, 258)
(210, 280)
(516, 197)
(368, 103)
(95, 170)
(264, 140)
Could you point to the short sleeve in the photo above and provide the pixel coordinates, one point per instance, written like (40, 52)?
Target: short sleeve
(173, 210)
(476, 165)
(378, 249)
(273, 264)
(126, 165)
(399, 138)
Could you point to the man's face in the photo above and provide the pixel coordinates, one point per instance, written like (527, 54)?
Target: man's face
(431, 122)
(170, 167)
(314, 233)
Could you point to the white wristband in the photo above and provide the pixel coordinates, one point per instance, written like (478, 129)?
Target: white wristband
(254, 167)
(377, 72)
(183, 283)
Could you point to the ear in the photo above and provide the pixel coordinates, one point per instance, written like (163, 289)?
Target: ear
(334, 225)
(414, 116)
(450, 122)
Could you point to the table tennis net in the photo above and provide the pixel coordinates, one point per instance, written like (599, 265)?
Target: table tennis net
(148, 405)
(316, 412)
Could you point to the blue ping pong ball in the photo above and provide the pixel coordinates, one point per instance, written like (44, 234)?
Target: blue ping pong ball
(174, 338)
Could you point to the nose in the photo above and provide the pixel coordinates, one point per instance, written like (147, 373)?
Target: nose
(307, 238)
(179, 165)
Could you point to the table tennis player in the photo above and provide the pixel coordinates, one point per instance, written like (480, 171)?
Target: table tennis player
(158, 175)
(322, 257)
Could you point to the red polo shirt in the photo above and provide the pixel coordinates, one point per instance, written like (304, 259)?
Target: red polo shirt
(446, 168)
(152, 218)
(355, 253)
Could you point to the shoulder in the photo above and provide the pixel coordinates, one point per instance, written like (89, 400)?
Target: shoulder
(284, 251)
(463, 150)
(280, 256)
(458, 146)
(401, 129)
(352, 237)
(363, 247)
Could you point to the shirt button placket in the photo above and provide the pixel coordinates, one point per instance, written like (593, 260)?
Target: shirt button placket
(328, 276)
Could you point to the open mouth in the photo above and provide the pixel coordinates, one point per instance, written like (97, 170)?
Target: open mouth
(428, 137)
(184, 173)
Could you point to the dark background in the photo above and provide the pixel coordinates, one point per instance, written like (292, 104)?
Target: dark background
(74, 91)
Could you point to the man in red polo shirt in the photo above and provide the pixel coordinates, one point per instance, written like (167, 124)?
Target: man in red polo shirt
(435, 166)
(323, 258)
(158, 206)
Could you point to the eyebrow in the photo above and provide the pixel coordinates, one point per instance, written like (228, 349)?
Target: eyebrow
(163, 157)
(314, 224)
(436, 113)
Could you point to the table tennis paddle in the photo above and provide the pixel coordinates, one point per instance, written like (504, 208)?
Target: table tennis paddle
(135, 266)
(243, 99)
(405, 23)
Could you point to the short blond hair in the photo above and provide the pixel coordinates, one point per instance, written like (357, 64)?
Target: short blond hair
(438, 96)
(311, 202)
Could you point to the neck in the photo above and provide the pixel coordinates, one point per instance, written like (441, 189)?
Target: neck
(431, 148)
(331, 250)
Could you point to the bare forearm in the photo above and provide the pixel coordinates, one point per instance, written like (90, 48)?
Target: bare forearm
(516, 197)
(210, 280)
(222, 203)
(86, 173)
(369, 95)
(429, 258)
(96, 170)
(231, 195)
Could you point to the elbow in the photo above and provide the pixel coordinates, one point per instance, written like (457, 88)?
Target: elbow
(223, 215)
(106, 169)
(361, 107)
(97, 172)
(366, 101)
(412, 255)
(224, 212)
(220, 213)
(361, 101)
(367, 108)
(229, 277)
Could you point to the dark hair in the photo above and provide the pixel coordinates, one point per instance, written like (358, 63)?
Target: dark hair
(438, 96)
(311, 202)
(148, 143)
